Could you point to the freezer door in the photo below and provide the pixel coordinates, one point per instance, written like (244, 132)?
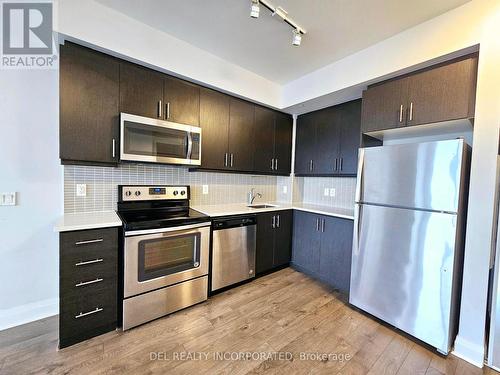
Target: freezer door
(419, 175)
(402, 270)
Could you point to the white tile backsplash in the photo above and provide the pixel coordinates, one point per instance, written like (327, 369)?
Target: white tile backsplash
(102, 185)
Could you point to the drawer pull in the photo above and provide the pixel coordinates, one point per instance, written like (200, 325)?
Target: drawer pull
(81, 315)
(89, 262)
(89, 241)
(83, 283)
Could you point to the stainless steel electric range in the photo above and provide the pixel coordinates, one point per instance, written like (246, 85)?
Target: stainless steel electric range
(165, 252)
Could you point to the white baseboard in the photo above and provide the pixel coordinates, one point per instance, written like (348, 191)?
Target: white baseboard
(28, 313)
(472, 353)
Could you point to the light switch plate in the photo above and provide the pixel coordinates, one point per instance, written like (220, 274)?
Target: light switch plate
(205, 189)
(285, 189)
(81, 190)
(8, 199)
(326, 193)
(332, 192)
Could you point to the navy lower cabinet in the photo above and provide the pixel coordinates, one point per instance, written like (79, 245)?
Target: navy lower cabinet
(322, 248)
(274, 240)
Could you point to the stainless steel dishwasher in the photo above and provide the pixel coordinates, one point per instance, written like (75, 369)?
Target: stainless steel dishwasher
(233, 250)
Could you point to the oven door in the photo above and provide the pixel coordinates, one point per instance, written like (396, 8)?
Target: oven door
(157, 141)
(162, 257)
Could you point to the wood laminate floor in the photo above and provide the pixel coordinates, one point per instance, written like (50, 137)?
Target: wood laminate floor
(285, 312)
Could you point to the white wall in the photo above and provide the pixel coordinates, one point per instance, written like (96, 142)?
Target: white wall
(29, 165)
(104, 27)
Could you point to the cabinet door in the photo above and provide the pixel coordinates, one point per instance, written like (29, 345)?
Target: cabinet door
(283, 143)
(384, 106)
(305, 144)
(214, 121)
(265, 242)
(336, 251)
(141, 91)
(89, 115)
(306, 241)
(241, 135)
(327, 141)
(182, 101)
(283, 238)
(349, 134)
(264, 139)
(443, 93)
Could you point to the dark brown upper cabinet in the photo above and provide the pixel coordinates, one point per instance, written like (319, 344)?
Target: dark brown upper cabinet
(327, 141)
(182, 101)
(273, 141)
(241, 135)
(141, 91)
(214, 122)
(283, 128)
(437, 94)
(89, 96)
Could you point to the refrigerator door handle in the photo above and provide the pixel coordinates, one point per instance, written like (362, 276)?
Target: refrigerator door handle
(359, 182)
(357, 229)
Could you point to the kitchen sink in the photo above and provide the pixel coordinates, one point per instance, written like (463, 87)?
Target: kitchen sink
(261, 206)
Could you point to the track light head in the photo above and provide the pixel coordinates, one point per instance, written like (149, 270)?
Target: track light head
(297, 37)
(254, 12)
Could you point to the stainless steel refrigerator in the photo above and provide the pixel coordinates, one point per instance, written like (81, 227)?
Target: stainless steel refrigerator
(409, 236)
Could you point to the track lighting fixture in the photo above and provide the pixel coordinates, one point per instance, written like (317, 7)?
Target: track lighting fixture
(254, 12)
(297, 38)
(283, 14)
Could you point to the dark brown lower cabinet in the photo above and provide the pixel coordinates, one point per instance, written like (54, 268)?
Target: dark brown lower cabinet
(274, 240)
(322, 248)
(87, 284)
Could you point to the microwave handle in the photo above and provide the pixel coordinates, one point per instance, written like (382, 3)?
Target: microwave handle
(189, 145)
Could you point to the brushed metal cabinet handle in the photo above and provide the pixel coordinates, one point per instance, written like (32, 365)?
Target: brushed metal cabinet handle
(84, 263)
(273, 225)
(401, 113)
(83, 283)
(168, 109)
(311, 165)
(81, 315)
(317, 225)
(276, 164)
(278, 221)
(411, 111)
(113, 149)
(272, 164)
(225, 159)
(336, 164)
(341, 163)
(88, 242)
(323, 225)
(159, 108)
(231, 159)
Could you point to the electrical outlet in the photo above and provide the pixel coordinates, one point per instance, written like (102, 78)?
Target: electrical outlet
(8, 199)
(285, 189)
(332, 192)
(205, 189)
(81, 190)
(326, 193)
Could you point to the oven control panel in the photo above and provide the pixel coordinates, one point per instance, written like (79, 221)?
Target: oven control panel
(148, 193)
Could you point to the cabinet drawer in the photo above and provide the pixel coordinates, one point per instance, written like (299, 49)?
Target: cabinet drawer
(85, 245)
(76, 281)
(86, 315)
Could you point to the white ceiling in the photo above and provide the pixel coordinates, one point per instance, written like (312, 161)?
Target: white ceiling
(335, 28)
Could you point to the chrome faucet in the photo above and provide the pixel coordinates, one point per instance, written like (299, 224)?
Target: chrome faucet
(252, 196)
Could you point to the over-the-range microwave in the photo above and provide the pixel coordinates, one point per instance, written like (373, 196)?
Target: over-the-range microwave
(157, 141)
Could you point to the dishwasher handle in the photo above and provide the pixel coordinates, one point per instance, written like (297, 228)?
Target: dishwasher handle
(234, 222)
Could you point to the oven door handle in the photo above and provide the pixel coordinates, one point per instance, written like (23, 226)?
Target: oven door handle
(189, 145)
(166, 230)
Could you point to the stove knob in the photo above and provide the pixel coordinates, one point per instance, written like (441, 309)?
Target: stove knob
(175, 192)
(128, 193)
(183, 192)
(137, 193)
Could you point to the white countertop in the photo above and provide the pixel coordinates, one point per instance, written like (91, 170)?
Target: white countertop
(241, 208)
(87, 220)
